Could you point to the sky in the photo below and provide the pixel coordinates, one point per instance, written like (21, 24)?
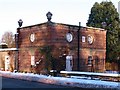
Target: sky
(34, 12)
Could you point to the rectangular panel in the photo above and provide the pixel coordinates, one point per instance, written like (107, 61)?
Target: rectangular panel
(33, 60)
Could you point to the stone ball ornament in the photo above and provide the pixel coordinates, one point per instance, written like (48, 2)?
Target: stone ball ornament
(20, 22)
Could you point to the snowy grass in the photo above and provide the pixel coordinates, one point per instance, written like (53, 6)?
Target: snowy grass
(73, 82)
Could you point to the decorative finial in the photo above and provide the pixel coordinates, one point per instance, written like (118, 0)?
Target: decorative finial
(49, 16)
(20, 22)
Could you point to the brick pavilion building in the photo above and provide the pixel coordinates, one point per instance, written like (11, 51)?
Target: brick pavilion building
(53, 45)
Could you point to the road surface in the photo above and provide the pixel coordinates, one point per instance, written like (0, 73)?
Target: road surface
(17, 83)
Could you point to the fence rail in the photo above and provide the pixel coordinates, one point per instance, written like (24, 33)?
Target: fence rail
(101, 76)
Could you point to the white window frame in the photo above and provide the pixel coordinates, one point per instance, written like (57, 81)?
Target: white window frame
(83, 39)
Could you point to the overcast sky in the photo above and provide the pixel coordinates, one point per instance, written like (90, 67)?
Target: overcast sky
(34, 12)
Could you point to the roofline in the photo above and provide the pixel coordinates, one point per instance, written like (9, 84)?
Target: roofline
(65, 25)
(32, 25)
(3, 44)
(96, 28)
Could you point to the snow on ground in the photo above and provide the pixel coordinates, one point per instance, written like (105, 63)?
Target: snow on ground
(73, 82)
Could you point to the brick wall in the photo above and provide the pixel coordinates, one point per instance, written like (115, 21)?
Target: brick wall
(54, 35)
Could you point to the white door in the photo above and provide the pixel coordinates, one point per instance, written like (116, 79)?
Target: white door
(7, 63)
(69, 63)
(32, 60)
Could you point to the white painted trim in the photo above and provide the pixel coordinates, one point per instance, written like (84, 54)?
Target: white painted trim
(8, 49)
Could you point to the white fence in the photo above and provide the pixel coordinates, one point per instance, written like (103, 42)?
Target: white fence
(101, 76)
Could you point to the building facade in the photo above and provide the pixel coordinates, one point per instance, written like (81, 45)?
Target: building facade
(50, 45)
(7, 58)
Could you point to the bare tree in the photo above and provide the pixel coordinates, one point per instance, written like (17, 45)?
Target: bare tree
(8, 38)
